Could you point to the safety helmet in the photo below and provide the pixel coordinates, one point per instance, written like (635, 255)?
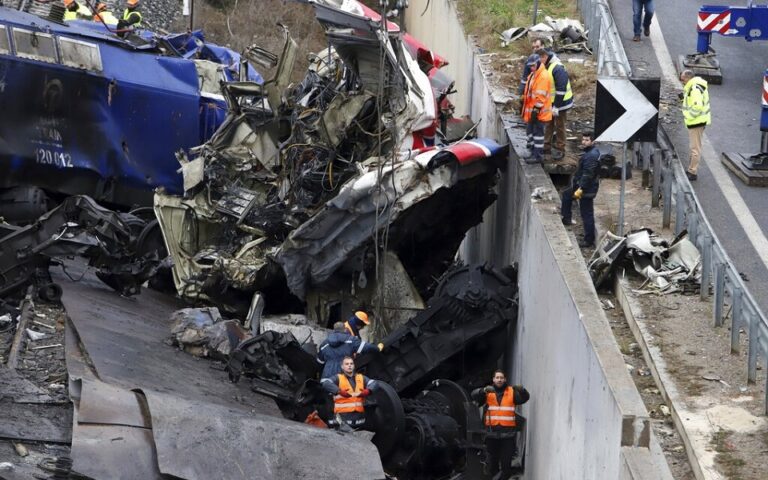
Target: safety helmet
(362, 316)
(133, 3)
(68, 2)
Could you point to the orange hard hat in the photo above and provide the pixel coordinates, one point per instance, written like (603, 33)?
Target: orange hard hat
(363, 317)
(133, 3)
(68, 2)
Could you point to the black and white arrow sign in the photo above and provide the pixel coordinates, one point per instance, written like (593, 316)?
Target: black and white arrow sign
(626, 110)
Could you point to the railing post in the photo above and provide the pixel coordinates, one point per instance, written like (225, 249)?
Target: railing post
(719, 293)
(735, 318)
(752, 348)
(706, 266)
(656, 187)
(679, 211)
(666, 217)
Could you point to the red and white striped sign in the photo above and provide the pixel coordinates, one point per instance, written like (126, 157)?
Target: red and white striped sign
(765, 91)
(714, 22)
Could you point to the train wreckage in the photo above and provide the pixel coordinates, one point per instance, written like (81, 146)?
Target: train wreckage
(351, 188)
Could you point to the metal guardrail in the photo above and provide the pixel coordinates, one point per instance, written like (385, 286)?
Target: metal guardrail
(671, 184)
(665, 173)
(604, 38)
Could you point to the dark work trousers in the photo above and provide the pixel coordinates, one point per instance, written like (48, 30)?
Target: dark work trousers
(501, 451)
(535, 131)
(587, 208)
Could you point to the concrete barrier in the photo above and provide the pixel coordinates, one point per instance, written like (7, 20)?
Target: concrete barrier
(586, 418)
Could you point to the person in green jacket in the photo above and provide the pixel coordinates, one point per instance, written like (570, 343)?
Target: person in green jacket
(696, 114)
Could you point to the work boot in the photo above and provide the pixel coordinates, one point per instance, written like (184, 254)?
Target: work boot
(636, 38)
(568, 222)
(691, 176)
(647, 31)
(585, 244)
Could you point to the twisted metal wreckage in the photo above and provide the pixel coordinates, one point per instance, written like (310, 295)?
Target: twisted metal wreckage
(314, 188)
(354, 187)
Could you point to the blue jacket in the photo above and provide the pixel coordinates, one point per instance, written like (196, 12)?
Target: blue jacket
(586, 176)
(337, 346)
(530, 65)
(561, 81)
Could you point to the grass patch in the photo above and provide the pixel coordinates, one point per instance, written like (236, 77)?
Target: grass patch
(731, 465)
(482, 18)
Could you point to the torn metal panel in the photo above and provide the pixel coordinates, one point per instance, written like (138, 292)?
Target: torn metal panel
(186, 432)
(124, 340)
(114, 451)
(103, 403)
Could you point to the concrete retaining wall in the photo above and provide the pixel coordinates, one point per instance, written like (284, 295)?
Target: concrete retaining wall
(586, 418)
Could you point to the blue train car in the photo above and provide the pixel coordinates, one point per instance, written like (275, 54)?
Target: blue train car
(83, 111)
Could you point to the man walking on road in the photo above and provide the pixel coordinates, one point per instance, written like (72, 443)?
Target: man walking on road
(537, 107)
(584, 188)
(562, 101)
(638, 19)
(697, 115)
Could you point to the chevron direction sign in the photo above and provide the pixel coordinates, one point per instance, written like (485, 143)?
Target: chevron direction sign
(627, 110)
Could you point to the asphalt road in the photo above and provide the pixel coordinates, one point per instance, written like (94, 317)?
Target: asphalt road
(735, 126)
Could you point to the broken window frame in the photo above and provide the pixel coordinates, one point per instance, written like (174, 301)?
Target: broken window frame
(94, 62)
(5, 48)
(19, 40)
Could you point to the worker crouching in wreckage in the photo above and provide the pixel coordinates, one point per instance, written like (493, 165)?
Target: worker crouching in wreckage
(349, 390)
(343, 342)
(499, 402)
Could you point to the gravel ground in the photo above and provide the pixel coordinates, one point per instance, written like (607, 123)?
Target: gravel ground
(710, 380)
(34, 398)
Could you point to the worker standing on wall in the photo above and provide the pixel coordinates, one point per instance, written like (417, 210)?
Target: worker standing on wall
(74, 11)
(499, 402)
(131, 15)
(537, 107)
(696, 114)
(349, 390)
(338, 345)
(104, 15)
(562, 95)
(530, 64)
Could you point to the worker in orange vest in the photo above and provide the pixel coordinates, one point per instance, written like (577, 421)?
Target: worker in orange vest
(537, 107)
(499, 402)
(349, 390)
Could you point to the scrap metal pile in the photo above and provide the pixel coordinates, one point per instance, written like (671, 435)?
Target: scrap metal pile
(668, 267)
(308, 186)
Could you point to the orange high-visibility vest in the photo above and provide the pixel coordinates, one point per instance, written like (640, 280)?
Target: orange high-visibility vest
(351, 404)
(503, 414)
(537, 95)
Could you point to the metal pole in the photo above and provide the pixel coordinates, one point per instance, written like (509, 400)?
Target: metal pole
(535, 10)
(623, 188)
(191, 15)
(656, 191)
(666, 218)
